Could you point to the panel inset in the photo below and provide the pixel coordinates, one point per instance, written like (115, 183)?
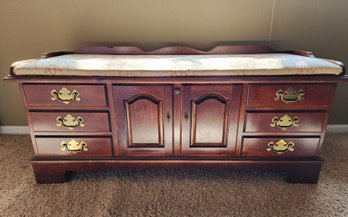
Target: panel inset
(144, 121)
(209, 121)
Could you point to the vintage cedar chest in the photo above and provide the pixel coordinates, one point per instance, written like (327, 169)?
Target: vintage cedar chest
(232, 106)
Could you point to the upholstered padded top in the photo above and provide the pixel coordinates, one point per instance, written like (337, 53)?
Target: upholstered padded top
(176, 65)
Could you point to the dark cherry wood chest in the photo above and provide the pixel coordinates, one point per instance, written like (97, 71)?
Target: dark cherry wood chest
(90, 123)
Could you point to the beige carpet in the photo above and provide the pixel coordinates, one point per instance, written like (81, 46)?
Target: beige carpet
(172, 192)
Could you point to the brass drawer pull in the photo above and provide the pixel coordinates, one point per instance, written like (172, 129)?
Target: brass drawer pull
(290, 95)
(285, 122)
(281, 146)
(73, 146)
(65, 96)
(70, 122)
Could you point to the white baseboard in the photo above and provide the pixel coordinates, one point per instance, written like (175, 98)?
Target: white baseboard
(331, 128)
(14, 130)
(337, 128)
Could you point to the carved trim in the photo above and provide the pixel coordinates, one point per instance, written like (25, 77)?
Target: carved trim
(142, 96)
(210, 96)
(178, 50)
(53, 54)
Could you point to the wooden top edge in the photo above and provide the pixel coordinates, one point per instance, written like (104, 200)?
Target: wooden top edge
(178, 50)
(209, 79)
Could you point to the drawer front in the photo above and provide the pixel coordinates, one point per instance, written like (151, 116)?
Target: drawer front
(70, 121)
(74, 147)
(291, 95)
(280, 147)
(65, 95)
(285, 121)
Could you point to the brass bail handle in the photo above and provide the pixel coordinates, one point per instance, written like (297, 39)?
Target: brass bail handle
(290, 95)
(70, 121)
(285, 122)
(74, 146)
(281, 146)
(65, 96)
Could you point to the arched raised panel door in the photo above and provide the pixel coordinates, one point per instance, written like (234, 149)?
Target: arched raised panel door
(210, 118)
(144, 120)
(209, 121)
(143, 113)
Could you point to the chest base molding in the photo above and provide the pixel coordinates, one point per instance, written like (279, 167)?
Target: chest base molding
(297, 171)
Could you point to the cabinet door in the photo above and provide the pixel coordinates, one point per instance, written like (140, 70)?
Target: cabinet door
(210, 118)
(144, 120)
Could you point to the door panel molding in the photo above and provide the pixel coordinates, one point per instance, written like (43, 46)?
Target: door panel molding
(199, 102)
(131, 125)
(210, 119)
(144, 119)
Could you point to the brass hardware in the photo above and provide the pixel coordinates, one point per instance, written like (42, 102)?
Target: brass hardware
(177, 91)
(285, 122)
(65, 96)
(290, 95)
(186, 117)
(281, 146)
(70, 122)
(168, 117)
(73, 146)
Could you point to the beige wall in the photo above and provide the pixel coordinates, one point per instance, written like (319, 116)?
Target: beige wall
(29, 28)
(319, 26)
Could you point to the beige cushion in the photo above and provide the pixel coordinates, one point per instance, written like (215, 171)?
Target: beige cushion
(176, 65)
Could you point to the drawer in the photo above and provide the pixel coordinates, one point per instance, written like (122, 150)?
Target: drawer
(70, 121)
(285, 121)
(65, 95)
(73, 147)
(280, 147)
(291, 95)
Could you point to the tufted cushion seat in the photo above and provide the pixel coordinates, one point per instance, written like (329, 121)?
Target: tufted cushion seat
(176, 65)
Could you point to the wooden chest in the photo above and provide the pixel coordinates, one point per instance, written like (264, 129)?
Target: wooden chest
(89, 123)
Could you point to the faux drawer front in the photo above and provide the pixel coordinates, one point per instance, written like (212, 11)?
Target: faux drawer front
(74, 147)
(280, 147)
(65, 95)
(70, 121)
(285, 121)
(291, 95)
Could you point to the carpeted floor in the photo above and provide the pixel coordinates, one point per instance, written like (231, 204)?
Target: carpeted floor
(172, 192)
